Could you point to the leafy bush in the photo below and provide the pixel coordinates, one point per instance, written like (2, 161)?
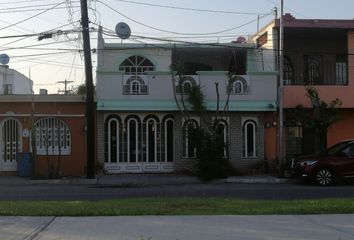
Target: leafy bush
(211, 162)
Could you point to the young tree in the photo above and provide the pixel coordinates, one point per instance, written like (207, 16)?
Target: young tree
(207, 138)
(319, 118)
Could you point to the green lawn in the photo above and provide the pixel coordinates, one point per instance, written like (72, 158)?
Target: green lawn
(174, 206)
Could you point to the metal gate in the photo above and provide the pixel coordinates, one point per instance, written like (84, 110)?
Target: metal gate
(11, 144)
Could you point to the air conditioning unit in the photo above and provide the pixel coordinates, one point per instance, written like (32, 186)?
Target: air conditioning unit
(43, 91)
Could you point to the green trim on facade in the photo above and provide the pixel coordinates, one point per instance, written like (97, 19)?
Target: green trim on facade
(212, 73)
(158, 73)
(103, 72)
(263, 73)
(170, 105)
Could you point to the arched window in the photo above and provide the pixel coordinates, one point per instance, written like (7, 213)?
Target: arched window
(288, 71)
(151, 133)
(113, 126)
(185, 84)
(221, 129)
(313, 69)
(250, 139)
(132, 139)
(135, 86)
(136, 65)
(167, 139)
(52, 137)
(238, 85)
(189, 150)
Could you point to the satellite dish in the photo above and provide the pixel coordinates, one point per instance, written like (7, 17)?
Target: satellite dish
(241, 39)
(123, 30)
(4, 59)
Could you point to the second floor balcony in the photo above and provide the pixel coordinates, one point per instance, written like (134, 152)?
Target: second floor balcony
(162, 88)
(315, 70)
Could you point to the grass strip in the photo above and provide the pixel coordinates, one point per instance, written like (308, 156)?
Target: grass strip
(175, 206)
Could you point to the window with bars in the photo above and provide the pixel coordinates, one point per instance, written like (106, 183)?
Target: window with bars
(8, 89)
(136, 65)
(53, 137)
(185, 85)
(250, 139)
(341, 70)
(288, 71)
(135, 86)
(314, 70)
(237, 86)
(11, 137)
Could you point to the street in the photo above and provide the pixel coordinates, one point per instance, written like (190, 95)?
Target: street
(279, 191)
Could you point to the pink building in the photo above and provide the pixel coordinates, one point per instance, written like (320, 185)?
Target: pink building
(317, 53)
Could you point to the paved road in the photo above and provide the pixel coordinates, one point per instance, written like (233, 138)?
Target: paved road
(314, 227)
(277, 191)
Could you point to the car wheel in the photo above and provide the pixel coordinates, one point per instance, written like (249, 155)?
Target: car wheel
(324, 177)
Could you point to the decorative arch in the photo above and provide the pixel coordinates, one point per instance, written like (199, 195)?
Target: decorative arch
(185, 84)
(132, 139)
(151, 133)
(53, 136)
(135, 85)
(222, 130)
(189, 151)
(238, 85)
(136, 65)
(167, 133)
(250, 139)
(113, 138)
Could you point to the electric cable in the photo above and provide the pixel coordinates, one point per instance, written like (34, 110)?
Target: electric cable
(36, 15)
(178, 33)
(191, 9)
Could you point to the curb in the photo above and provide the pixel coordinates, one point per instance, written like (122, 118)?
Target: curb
(258, 180)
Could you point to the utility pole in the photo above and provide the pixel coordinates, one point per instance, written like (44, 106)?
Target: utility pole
(280, 92)
(90, 107)
(66, 82)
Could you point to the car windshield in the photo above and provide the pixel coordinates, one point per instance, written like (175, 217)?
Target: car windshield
(337, 148)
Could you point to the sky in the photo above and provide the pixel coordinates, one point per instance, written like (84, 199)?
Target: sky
(53, 60)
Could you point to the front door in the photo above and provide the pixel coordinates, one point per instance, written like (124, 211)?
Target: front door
(11, 144)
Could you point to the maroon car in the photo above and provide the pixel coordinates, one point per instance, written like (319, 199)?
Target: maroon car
(324, 169)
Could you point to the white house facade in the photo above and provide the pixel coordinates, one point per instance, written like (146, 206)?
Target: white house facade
(13, 82)
(139, 125)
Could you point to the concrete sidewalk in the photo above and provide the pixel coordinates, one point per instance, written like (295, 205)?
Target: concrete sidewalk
(140, 180)
(272, 227)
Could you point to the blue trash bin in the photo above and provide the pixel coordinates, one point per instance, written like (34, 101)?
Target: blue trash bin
(24, 164)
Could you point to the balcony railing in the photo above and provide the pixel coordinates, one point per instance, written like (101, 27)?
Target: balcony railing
(135, 89)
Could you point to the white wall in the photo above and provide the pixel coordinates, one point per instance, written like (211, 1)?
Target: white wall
(20, 83)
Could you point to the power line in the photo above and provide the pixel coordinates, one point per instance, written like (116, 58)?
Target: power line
(178, 33)
(219, 45)
(42, 54)
(16, 2)
(32, 10)
(32, 6)
(36, 15)
(191, 9)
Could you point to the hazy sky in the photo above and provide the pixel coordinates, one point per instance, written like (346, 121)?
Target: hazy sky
(51, 60)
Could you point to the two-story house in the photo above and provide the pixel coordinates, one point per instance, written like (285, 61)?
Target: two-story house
(139, 125)
(318, 53)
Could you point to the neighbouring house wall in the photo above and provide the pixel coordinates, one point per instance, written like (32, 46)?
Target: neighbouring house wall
(20, 83)
(70, 111)
(342, 130)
